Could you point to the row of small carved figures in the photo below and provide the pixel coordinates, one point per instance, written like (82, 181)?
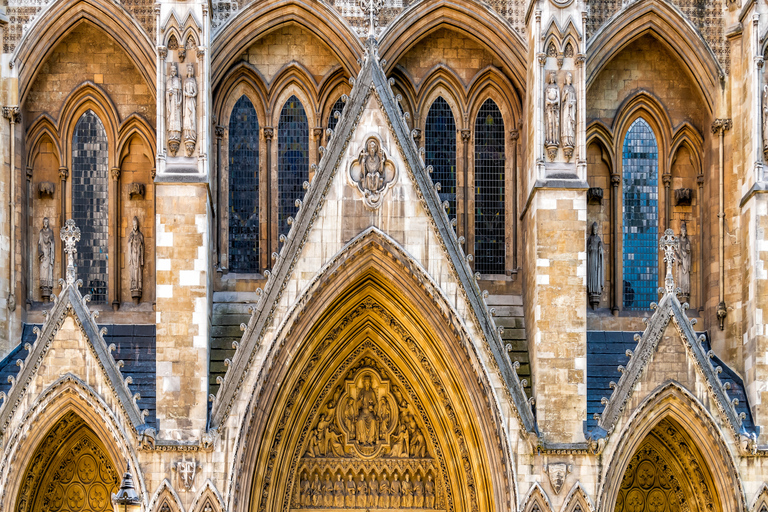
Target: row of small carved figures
(372, 493)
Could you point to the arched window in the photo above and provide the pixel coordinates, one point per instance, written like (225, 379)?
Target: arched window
(440, 146)
(337, 107)
(90, 195)
(490, 254)
(640, 160)
(243, 187)
(292, 159)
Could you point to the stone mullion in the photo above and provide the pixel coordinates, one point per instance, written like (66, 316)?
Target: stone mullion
(468, 233)
(269, 133)
(115, 260)
(219, 131)
(63, 175)
(514, 136)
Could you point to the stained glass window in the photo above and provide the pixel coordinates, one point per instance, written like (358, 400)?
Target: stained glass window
(640, 216)
(489, 190)
(292, 159)
(337, 107)
(90, 195)
(440, 146)
(243, 187)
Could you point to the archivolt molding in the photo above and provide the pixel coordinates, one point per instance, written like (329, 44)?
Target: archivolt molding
(66, 395)
(61, 16)
(260, 18)
(471, 19)
(370, 80)
(670, 27)
(165, 495)
(671, 401)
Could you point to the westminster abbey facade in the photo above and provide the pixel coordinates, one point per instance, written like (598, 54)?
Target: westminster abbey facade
(380, 255)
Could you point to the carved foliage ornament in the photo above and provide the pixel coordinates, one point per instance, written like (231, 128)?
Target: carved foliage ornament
(373, 172)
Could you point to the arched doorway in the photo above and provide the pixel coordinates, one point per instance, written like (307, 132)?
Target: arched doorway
(70, 471)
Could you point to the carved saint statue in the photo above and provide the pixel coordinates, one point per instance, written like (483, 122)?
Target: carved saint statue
(45, 251)
(384, 493)
(326, 492)
(366, 429)
(418, 492)
(136, 260)
(338, 492)
(173, 106)
(569, 116)
(552, 116)
(349, 497)
(394, 492)
(400, 443)
(684, 264)
(190, 110)
(316, 490)
(429, 492)
(407, 487)
(594, 267)
(362, 492)
(373, 493)
(372, 163)
(765, 120)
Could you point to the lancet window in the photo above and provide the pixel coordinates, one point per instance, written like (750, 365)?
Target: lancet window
(292, 159)
(440, 146)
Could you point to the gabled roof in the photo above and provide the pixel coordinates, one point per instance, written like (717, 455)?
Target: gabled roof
(68, 303)
(669, 310)
(370, 80)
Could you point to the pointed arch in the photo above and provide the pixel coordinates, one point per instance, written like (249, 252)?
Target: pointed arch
(536, 500)
(672, 403)
(441, 81)
(667, 24)
(42, 129)
(61, 17)
(687, 136)
(165, 495)
(490, 83)
(647, 106)
(261, 18)
(68, 394)
(373, 281)
(577, 499)
(243, 78)
(208, 495)
(760, 501)
(602, 135)
(135, 127)
(470, 19)
(88, 96)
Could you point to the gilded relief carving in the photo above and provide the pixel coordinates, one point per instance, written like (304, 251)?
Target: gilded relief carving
(366, 448)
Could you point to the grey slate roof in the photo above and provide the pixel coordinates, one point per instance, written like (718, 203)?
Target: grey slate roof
(606, 350)
(135, 346)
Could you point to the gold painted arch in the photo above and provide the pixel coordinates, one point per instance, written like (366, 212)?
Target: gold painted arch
(379, 323)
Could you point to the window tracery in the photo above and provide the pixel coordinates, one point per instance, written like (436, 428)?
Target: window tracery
(244, 187)
(292, 159)
(90, 191)
(440, 146)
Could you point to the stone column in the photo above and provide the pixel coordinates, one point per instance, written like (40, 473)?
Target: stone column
(63, 175)
(269, 132)
(118, 257)
(469, 243)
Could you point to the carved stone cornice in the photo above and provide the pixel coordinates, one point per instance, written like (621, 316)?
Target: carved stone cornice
(724, 125)
(12, 114)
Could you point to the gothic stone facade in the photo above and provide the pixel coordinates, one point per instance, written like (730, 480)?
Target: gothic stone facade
(283, 255)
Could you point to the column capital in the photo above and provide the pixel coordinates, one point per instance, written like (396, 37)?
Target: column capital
(465, 135)
(115, 173)
(269, 132)
(63, 173)
(12, 113)
(219, 131)
(721, 125)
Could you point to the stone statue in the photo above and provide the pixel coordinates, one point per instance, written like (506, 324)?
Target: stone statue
(351, 491)
(367, 426)
(136, 260)
(350, 417)
(384, 492)
(46, 253)
(173, 107)
(684, 264)
(568, 125)
(394, 492)
(765, 120)
(373, 493)
(316, 490)
(429, 493)
(552, 116)
(385, 416)
(418, 444)
(418, 493)
(407, 488)
(372, 163)
(190, 110)
(327, 492)
(338, 492)
(594, 267)
(362, 492)
(400, 444)
(305, 492)
(373, 172)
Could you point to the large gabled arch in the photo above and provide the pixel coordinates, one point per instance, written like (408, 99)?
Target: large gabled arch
(261, 18)
(373, 270)
(671, 402)
(667, 24)
(61, 17)
(466, 17)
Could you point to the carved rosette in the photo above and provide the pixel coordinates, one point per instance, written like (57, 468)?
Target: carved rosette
(373, 173)
(367, 448)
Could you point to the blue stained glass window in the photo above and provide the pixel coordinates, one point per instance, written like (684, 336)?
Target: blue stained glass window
(489, 190)
(337, 107)
(243, 187)
(292, 159)
(90, 195)
(440, 146)
(640, 216)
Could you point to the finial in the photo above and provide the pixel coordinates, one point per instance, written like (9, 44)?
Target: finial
(669, 244)
(371, 8)
(70, 235)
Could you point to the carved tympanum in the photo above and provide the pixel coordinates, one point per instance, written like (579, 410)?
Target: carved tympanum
(373, 172)
(367, 448)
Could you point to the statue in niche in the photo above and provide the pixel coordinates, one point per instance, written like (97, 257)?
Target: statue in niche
(136, 260)
(418, 492)
(384, 492)
(552, 116)
(316, 490)
(190, 110)
(338, 492)
(385, 416)
(407, 487)
(367, 427)
(429, 492)
(351, 491)
(569, 117)
(400, 444)
(765, 121)
(174, 102)
(47, 255)
(394, 492)
(372, 172)
(684, 264)
(327, 492)
(594, 267)
(362, 492)
(373, 493)
(305, 491)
